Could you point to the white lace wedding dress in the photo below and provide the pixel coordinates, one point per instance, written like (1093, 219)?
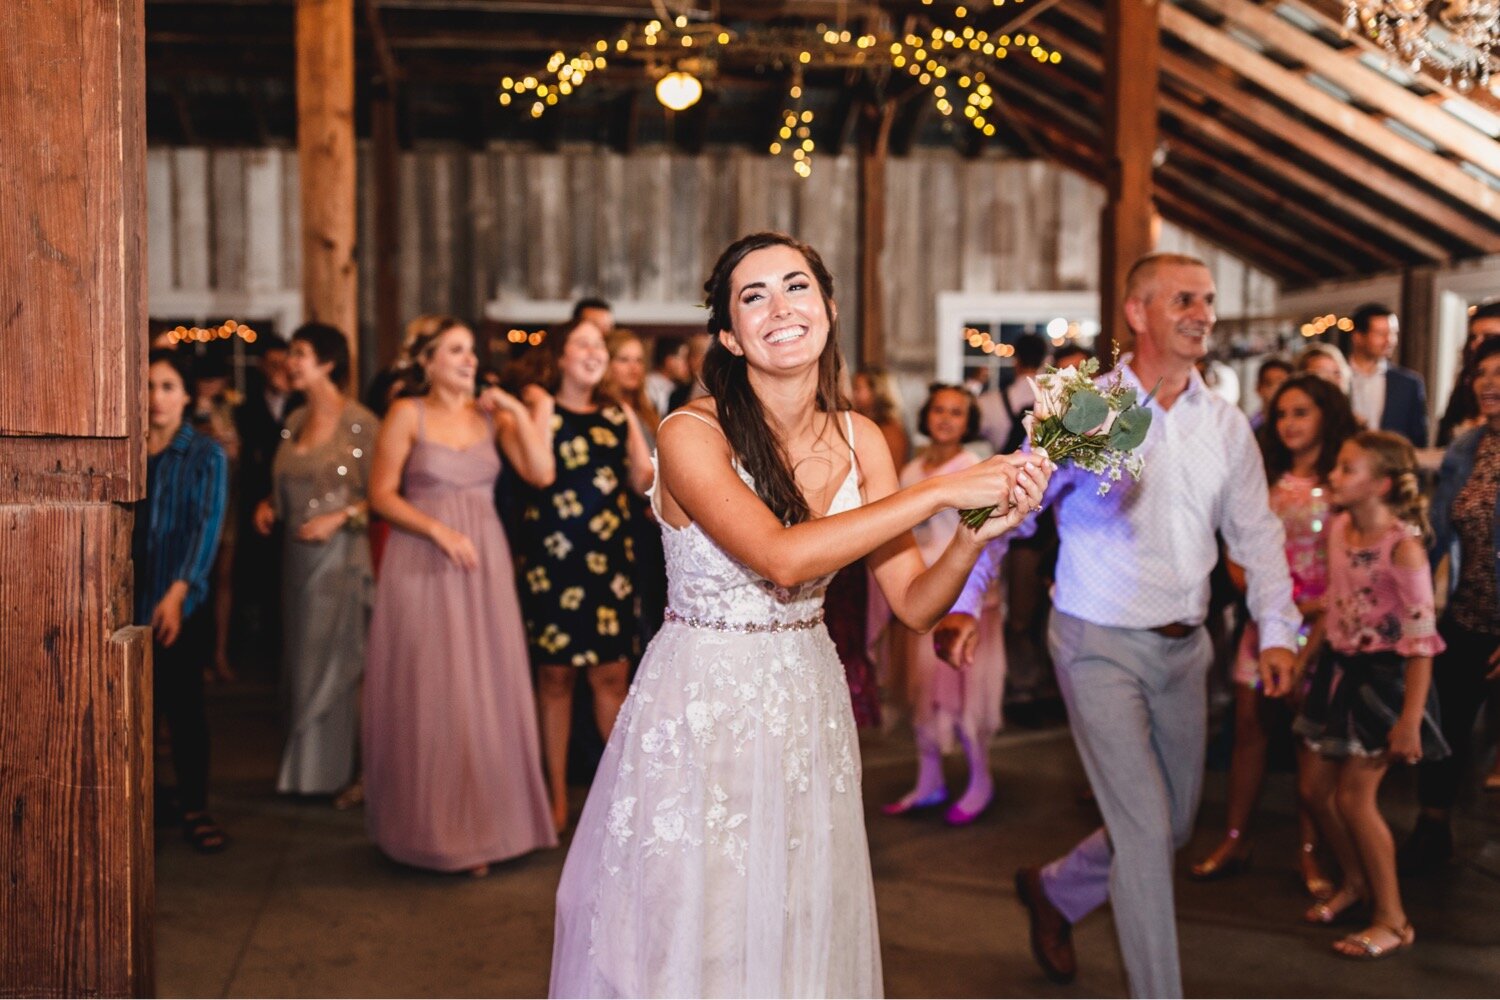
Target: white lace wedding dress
(722, 851)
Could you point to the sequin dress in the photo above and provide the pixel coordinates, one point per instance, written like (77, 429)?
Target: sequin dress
(722, 850)
(326, 590)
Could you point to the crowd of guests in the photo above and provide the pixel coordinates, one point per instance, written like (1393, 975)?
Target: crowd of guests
(446, 566)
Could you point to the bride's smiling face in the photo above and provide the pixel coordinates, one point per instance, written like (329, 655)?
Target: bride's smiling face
(779, 320)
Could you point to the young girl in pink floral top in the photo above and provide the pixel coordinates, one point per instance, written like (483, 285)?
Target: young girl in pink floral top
(1370, 702)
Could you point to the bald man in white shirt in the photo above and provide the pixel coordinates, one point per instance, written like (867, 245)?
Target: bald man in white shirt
(1127, 633)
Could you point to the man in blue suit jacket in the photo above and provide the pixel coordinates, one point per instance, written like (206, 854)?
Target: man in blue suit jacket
(1383, 395)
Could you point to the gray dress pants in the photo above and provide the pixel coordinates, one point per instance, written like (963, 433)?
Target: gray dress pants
(1138, 708)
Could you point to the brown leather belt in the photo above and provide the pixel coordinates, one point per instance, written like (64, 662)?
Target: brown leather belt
(1176, 630)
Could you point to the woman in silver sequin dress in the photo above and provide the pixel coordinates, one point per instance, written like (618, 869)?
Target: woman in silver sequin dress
(320, 475)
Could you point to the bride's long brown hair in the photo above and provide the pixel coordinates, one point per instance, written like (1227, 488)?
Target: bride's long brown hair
(725, 375)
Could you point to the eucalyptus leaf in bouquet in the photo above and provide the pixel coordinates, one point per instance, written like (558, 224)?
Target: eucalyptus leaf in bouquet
(1098, 427)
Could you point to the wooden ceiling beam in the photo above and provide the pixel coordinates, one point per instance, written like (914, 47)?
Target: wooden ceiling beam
(1360, 255)
(1253, 237)
(390, 73)
(1288, 242)
(1316, 189)
(1373, 88)
(1405, 195)
(845, 114)
(1078, 149)
(910, 117)
(1022, 16)
(1329, 15)
(1337, 116)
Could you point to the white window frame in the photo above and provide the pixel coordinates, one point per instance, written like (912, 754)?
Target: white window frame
(627, 313)
(956, 309)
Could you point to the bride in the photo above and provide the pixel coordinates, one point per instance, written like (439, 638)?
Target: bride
(722, 850)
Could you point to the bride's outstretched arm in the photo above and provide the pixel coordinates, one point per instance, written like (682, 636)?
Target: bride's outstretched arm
(699, 478)
(920, 595)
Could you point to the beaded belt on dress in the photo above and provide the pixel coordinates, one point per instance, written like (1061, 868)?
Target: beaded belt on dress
(719, 625)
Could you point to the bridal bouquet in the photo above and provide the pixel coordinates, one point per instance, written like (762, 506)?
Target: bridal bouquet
(1096, 427)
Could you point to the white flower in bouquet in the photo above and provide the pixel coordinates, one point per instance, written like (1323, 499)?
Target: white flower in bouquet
(1048, 389)
(1096, 427)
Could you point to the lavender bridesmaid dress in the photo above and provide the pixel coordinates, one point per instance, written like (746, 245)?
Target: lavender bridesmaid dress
(452, 761)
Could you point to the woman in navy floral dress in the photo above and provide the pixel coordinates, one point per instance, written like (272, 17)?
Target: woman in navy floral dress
(574, 546)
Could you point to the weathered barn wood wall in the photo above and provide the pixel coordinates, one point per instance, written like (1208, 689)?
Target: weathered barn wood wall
(520, 225)
(77, 886)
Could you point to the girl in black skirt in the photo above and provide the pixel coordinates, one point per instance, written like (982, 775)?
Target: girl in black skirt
(1370, 702)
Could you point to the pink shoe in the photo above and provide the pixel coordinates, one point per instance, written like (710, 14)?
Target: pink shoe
(913, 801)
(957, 815)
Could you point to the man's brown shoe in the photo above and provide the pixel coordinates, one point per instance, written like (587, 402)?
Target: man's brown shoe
(1051, 933)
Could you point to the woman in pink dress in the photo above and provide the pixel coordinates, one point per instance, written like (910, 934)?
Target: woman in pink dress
(453, 774)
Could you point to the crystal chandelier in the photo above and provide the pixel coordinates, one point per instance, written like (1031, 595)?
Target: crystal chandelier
(1457, 41)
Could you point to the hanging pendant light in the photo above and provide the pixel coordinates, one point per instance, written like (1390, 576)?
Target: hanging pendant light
(678, 90)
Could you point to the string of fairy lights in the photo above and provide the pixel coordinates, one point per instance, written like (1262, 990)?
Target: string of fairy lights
(952, 62)
(795, 133)
(1320, 325)
(203, 335)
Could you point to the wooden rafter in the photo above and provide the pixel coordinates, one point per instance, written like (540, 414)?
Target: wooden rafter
(1269, 243)
(1076, 145)
(1402, 194)
(1328, 15)
(1290, 87)
(1373, 88)
(1351, 252)
(1203, 136)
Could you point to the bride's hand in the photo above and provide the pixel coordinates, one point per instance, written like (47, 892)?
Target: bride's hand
(987, 484)
(1032, 475)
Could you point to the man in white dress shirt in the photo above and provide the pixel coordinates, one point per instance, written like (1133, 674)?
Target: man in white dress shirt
(1127, 633)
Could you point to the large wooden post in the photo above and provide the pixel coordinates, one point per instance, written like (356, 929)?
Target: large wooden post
(76, 879)
(875, 139)
(325, 157)
(385, 155)
(1132, 56)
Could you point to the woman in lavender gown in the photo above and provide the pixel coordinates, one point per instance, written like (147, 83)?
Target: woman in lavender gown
(453, 777)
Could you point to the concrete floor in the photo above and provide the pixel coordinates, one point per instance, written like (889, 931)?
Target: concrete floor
(303, 905)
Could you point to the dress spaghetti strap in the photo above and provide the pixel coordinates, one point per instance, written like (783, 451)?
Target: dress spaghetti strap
(684, 412)
(849, 433)
(652, 494)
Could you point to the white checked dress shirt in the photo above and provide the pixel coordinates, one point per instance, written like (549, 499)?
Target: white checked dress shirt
(1139, 557)
(1367, 394)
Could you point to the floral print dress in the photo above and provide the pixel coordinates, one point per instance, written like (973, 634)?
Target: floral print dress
(575, 549)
